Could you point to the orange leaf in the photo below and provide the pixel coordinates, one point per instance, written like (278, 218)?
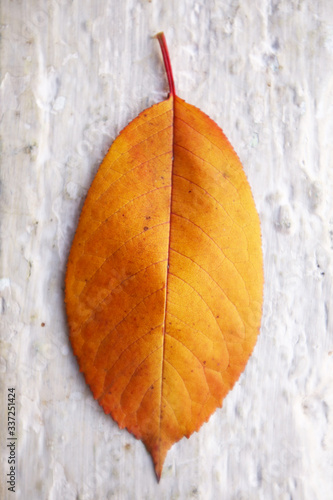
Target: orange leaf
(164, 281)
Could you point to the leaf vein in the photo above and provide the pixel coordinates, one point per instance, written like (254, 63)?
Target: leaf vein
(119, 323)
(135, 371)
(144, 395)
(130, 345)
(203, 300)
(109, 256)
(219, 286)
(94, 311)
(227, 258)
(244, 181)
(210, 142)
(132, 130)
(213, 197)
(173, 411)
(122, 207)
(127, 172)
(187, 324)
(187, 348)
(179, 375)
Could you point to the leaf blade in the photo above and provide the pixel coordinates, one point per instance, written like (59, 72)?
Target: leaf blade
(164, 279)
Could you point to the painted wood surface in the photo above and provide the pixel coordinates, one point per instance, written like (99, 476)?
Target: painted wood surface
(73, 74)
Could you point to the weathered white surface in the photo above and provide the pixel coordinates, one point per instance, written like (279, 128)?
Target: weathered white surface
(73, 74)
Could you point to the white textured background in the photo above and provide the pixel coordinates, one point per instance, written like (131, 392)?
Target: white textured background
(73, 74)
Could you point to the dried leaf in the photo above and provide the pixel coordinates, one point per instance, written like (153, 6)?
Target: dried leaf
(164, 281)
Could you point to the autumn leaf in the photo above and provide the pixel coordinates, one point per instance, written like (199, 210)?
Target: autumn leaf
(164, 281)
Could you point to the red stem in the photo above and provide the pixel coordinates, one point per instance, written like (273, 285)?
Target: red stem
(166, 58)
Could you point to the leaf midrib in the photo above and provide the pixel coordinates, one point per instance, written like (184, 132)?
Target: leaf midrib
(173, 97)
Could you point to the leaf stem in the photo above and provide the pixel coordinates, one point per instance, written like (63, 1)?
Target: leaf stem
(166, 58)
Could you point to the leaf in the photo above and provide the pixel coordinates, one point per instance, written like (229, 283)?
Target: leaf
(164, 281)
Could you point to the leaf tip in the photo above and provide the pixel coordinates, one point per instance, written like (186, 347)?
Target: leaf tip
(158, 451)
(158, 469)
(158, 475)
